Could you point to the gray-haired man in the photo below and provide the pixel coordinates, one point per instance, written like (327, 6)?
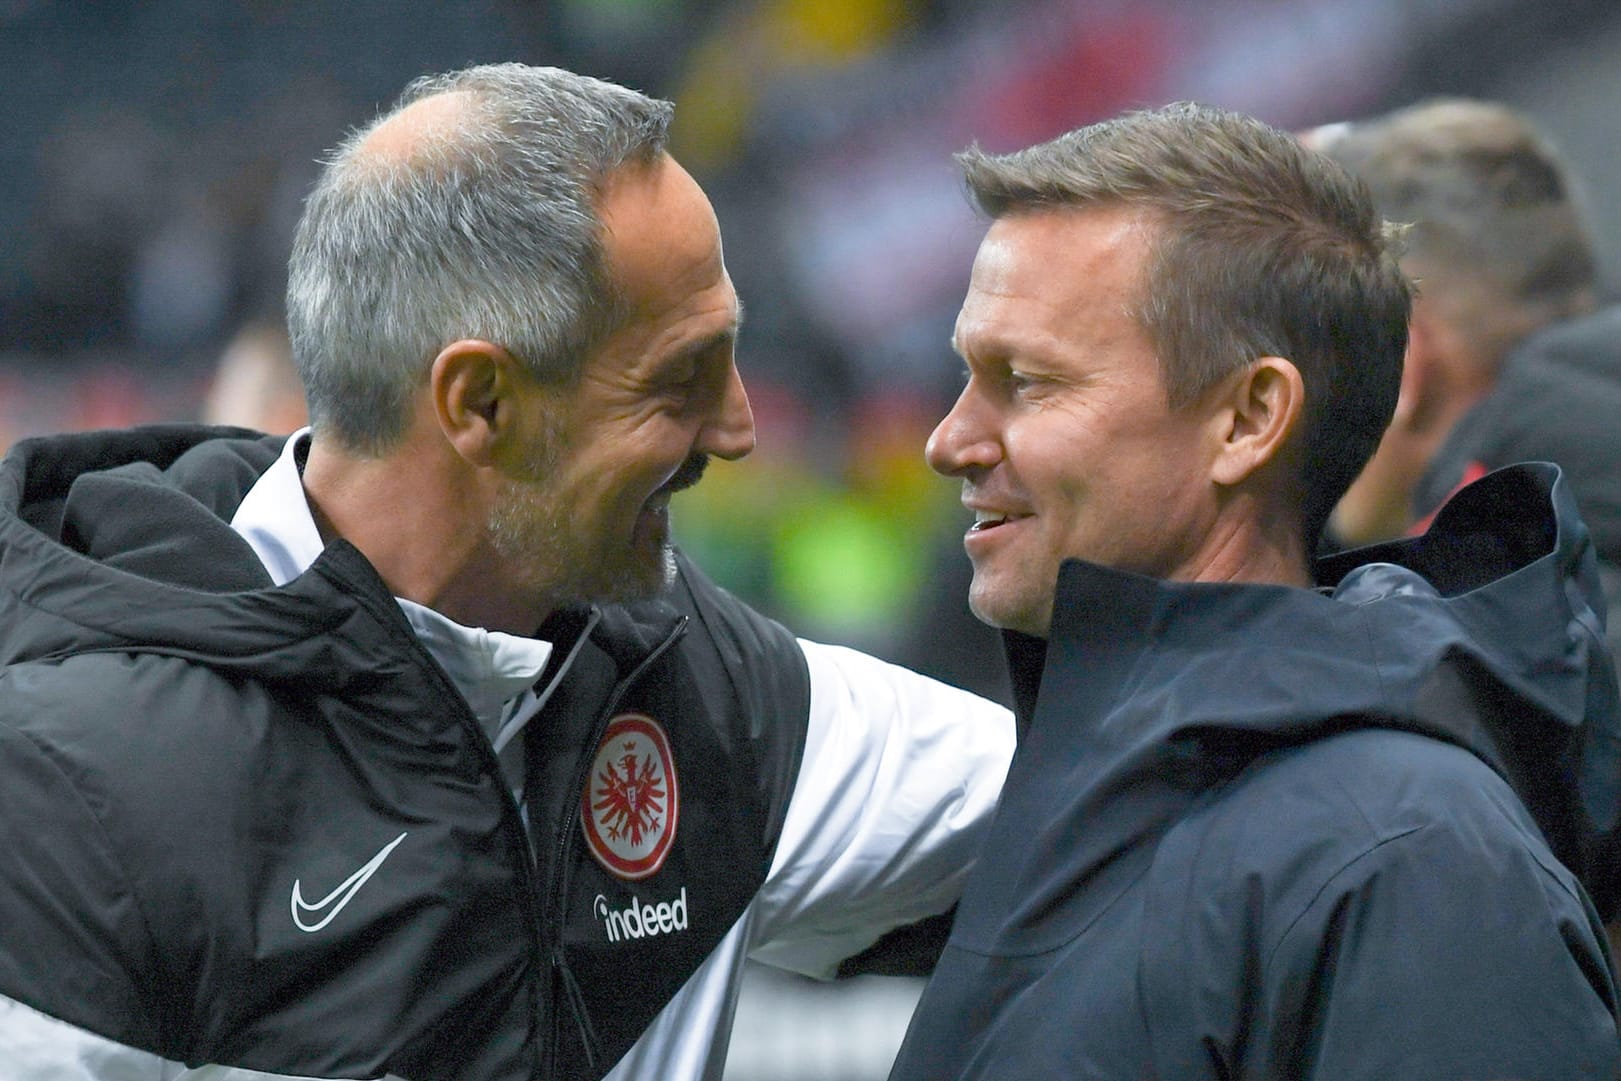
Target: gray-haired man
(408, 746)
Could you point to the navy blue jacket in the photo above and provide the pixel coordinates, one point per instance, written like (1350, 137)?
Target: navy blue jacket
(1266, 832)
(1556, 400)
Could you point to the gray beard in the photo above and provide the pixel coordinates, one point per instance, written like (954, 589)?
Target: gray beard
(559, 568)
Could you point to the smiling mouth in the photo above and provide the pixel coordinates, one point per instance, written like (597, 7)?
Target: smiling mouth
(658, 502)
(985, 521)
(691, 471)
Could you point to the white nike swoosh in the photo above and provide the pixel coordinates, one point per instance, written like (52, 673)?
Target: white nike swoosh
(340, 896)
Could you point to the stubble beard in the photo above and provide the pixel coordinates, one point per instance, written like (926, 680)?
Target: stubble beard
(1005, 606)
(553, 563)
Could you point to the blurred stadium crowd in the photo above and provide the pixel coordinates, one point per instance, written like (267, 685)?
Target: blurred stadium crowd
(156, 153)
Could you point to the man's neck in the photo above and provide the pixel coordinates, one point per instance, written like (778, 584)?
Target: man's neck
(418, 515)
(1252, 544)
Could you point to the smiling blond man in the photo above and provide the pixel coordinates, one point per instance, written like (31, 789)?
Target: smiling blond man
(1268, 818)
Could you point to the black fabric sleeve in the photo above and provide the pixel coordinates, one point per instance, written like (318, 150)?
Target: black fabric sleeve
(1418, 960)
(73, 941)
(911, 950)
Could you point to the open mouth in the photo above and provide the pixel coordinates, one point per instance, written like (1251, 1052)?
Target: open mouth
(658, 502)
(691, 471)
(985, 521)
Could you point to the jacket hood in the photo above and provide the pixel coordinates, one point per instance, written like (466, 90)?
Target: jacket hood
(1484, 632)
(1556, 400)
(121, 541)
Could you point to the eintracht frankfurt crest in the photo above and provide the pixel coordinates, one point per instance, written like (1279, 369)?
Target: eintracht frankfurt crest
(630, 803)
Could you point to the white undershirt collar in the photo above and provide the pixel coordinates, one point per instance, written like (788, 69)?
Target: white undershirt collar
(493, 670)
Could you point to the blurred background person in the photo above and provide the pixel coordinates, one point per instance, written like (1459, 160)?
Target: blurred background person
(156, 155)
(1507, 361)
(256, 385)
(1496, 240)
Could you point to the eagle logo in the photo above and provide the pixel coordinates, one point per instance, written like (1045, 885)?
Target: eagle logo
(631, 801)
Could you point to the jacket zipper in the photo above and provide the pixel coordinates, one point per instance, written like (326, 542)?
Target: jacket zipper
(529, 870)
(561, 974)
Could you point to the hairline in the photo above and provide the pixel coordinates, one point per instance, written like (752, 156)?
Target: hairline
(511, 129)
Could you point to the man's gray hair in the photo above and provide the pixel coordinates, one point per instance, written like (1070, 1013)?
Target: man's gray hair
(1497, 233)
(485, 227)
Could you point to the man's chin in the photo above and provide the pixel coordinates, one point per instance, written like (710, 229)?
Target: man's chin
(1006, 615)
(648, 575)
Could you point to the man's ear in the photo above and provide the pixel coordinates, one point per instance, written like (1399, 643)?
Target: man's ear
(1415, 401)
(1262, 410)
(473, 385)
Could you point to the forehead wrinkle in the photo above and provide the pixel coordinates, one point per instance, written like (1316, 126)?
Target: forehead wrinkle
(1002, 338)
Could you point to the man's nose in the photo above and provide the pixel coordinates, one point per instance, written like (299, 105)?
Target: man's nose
(963, 440)
(729, 433)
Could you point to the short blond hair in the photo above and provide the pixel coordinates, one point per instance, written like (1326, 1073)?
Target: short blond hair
(1498, 234)
(1262, 248)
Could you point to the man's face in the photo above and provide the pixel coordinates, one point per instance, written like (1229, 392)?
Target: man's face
(1063, 438)
(587, 517)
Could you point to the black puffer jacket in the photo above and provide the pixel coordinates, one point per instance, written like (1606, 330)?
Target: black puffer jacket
(259, 826)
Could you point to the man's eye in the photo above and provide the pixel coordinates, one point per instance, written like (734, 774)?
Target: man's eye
(682, 375)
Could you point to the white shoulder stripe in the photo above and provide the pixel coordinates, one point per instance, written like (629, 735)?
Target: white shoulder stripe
(37, 1047)
(900, 776)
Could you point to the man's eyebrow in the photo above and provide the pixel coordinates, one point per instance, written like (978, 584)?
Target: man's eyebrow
(700, 347)
(721, 337)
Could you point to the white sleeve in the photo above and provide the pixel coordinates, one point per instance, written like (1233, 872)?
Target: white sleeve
(37, 1047)
(900, 776)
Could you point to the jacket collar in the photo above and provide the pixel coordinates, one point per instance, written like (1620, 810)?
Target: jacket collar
(1485, 632)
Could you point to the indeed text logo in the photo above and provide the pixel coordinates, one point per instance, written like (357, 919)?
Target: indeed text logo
(639, 920)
